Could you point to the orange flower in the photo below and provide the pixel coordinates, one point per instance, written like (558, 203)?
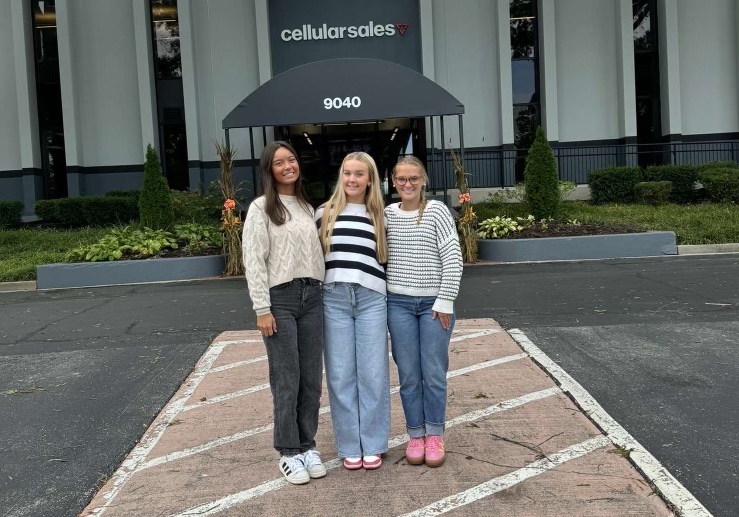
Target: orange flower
(230, 204)
(464, 198)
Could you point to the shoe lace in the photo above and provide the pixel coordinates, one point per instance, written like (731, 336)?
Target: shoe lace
(435, 443)
(295, 462)
(416, 443)
(311, 457)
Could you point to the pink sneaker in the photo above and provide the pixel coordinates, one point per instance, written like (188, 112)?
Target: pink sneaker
(434, 451)
(415, 451)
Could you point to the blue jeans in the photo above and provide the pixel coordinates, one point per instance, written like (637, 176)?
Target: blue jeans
(421, 350)
(357, 368)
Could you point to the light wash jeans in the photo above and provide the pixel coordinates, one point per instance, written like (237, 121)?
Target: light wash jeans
(421, 350)
(357, 368)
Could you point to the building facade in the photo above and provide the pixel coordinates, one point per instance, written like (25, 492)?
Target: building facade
(86, 85)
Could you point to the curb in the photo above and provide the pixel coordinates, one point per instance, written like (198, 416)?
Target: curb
(698, 249)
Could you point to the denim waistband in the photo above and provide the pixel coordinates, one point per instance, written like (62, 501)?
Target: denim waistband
(302, 281)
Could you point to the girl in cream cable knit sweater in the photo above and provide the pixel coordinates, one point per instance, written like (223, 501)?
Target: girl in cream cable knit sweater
(284, 269)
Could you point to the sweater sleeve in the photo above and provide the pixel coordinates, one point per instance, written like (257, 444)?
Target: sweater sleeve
(255, 247)
(450, 254)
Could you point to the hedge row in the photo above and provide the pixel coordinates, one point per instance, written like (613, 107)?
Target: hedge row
(89, 211)
(619, 184)
(10, 213)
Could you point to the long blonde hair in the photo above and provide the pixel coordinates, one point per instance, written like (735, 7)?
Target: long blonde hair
(409, 159)
(372, 198)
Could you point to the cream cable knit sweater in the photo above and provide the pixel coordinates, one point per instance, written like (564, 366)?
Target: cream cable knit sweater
(274, 254)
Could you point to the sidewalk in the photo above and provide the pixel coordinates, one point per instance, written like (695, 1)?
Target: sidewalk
(516, 445)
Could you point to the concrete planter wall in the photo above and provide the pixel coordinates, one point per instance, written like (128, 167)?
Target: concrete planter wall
(647, 244)
(92, 274)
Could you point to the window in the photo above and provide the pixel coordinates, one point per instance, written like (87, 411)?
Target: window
(170, 98)
(647, 81)
(49, 99)
(525, 78)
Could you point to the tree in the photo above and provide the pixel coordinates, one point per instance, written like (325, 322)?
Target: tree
(540, 176)
(155, 200)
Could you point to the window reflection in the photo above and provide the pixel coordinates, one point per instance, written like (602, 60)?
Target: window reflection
(166, 38)
(525, 77)
(523, 73)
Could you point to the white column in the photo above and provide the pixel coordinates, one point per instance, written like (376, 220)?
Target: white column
(427, 38)
(145, 72)
(263, 46)
(669, 64)
(505, 79)
(25, 82)
(548, 69)
(190, 89)
(626, 76)
(67, 79)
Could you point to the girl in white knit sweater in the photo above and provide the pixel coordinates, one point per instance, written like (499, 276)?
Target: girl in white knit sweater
(284, 270)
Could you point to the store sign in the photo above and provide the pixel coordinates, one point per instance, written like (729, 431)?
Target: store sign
(302, 32)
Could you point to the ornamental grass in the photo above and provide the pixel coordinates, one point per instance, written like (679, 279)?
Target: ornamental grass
(231, 224)
(466, 218)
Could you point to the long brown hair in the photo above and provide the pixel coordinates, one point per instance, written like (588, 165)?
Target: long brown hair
(372, 199)
(409, 159)
(273, 205)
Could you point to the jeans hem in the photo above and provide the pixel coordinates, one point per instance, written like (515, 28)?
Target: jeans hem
(434, 429)
(416, 432)
(289, 452)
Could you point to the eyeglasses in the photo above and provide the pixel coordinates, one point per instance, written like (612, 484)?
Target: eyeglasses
(415, 180)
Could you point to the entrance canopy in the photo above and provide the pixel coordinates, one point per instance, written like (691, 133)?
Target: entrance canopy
(342, 90)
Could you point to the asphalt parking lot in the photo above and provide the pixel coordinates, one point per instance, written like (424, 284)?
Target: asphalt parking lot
(84, 372)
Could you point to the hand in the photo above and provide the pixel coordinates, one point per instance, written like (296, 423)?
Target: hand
(444, 318)
(267, 324)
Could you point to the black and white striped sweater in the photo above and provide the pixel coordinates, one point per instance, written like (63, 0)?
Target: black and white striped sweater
(353, 255)
(424, 259)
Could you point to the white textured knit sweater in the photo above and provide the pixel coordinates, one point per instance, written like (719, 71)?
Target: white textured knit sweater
(424, 259)
(275, 254)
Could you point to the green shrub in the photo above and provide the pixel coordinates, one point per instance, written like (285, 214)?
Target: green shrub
(198, 236)
(10, 214)
(718, 165)
(47, 209)
(193, 207)
(96, 211)
(155, 200)
(540, 175)
(652, 192)
(124, 193)
(722, 185)
(613, 185)
(683, 178)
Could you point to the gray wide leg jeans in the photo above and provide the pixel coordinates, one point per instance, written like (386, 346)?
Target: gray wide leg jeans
(295, 356)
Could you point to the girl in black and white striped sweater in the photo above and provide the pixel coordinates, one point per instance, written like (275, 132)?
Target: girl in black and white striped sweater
(423, 275)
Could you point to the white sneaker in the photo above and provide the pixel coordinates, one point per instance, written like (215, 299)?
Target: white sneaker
(293, 469)
(312, 463)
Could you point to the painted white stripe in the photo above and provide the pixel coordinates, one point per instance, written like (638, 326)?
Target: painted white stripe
(227, 396)
(240, 363)
(177, 455)
(479, 333)
(230, 501)
(239, 342)
(511, 479)
(671, 489)
(152, 436)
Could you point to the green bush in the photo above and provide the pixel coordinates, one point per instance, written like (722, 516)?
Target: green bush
(10, 214)
(96, 211)
(613, 185)
(193, 207)
(718, 165)
(47, 209)
(652, 192)
(540, 175)
(155, 200)
(683, 178)
(124, 193)
(722, 185)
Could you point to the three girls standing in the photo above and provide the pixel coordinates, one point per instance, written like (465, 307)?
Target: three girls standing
(284, 267)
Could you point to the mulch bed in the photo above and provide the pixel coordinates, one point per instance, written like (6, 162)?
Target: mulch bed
(565, 229)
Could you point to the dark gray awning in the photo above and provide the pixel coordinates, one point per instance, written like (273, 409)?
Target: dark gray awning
(356, 89)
